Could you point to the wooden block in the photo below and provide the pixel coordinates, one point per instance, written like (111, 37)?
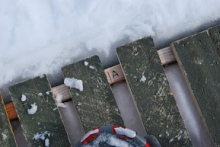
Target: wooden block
(95, 104)
(11, 112)
(38, 114)
(7, 138)
(150, 89)
(214, 34)
(114, 74)
(200, 66)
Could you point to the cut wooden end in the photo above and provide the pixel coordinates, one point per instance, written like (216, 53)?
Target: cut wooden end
(61, 90)
(166, 56)
(11, 112)
(114, 74)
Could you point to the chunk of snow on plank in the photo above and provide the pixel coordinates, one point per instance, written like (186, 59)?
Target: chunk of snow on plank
(48, 92)
(41, 136)
(92, 67)
(59, 101)
(40, 94)
(4, 136)
(61, 105)
(47, 142)
(171, 140)
(74, 83)
(86, 63)
(23, 98)
(143, 79)
(33, 109)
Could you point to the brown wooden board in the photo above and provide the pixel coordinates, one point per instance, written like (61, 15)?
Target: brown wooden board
(214, 34)
(200, 66)
(45, 124)
(150, 89)
(95, 104)
(7, 138)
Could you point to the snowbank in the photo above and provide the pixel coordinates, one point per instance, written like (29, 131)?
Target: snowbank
(40, 36)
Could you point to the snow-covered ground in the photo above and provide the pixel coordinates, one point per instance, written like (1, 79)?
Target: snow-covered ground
(41, 36)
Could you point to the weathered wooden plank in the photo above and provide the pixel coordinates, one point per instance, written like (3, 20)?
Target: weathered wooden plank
(95, 104)
(214, 34)
(200, 66)
(7, 138)
(150, 89)
(38, 114)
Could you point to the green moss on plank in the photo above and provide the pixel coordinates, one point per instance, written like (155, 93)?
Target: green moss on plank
(214, 34)
(200, 65)
(6, 134)
(150, 89)
(46, 120)
(95, 104)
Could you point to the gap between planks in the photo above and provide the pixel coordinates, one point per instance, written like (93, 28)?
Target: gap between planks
(114, 74)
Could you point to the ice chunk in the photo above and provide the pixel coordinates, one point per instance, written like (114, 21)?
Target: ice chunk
(86, 63)
(33, 109)
(23, 98)
(74, 83)
(47, 142)
(143, 79)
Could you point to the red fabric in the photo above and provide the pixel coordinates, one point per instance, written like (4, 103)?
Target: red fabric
(147, 145)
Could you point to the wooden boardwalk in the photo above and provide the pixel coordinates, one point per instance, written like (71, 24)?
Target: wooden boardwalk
(141, 66)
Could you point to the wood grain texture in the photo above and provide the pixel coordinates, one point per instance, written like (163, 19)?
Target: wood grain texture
(95, 104)
(7, 138)
(214, 34)
(150, 89)
(45, 123)
(200, 66)
(11, 112)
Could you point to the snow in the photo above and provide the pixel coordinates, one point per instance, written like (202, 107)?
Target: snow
(38, 36)
(143, 79)
(41, 136)
(47, 142)
(48, 92)
(33, 109)
(23, 98)
(110, 140)
(4, 136)
(86, 63)
(40, 94)
(124, 131)
(92, 67)
(74, 83)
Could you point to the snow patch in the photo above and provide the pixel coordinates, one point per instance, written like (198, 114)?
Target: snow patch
(92, 67)
(41, 136)
(23, 98)
(74, 83)
(48, 92)
(33, 109)
(143, 79)
(40, 94)
(171, 140)
(86, 63)
(47, 142)
(4, 136)
(59, 101)
(110, 140)
(125, 131)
